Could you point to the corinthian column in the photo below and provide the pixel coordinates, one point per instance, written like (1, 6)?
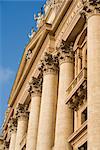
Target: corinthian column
(13, 128)
(22, 115)
(35, 91)
(92, 9)
(48, 103)
(64, 121)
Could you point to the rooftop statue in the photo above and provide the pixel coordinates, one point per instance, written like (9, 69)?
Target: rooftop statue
(38, 18)
(30, 35)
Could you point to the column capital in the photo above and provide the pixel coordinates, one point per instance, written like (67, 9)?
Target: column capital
(78, 98)
(50, 64)
(65, 52)
(13, 125)
(35, 86)
(6, 145)
(22, 111)
(90, 7)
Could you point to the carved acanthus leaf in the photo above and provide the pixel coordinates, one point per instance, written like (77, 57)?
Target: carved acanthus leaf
(65, 51)
(79, 97)
(90, 7)
(50, 63)
(22, 110)
(35, 85)
(6, 144)
(12, 124)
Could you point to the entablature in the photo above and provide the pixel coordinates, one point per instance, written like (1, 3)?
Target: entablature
(78, 134)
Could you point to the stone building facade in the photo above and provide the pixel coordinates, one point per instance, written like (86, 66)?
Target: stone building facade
(55, 100)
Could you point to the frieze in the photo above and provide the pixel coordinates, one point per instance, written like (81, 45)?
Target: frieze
(52, 4)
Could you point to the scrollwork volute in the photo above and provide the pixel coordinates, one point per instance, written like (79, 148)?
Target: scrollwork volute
(90, 7)
(35, 86)
(65, 52)
(49, 64)
(22, 111)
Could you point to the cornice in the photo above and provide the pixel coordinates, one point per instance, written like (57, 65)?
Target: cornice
(78, 132)
(15, 91)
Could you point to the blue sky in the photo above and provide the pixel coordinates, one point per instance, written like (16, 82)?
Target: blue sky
(16, 20)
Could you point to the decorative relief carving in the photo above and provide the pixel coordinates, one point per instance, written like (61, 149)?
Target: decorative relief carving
(22, 111)
(12, 124)
(90, 7)
(6, 145)
(52, 4)
(28, 54)
(49, 64)
(35, 85)
(78, 98)
(65, 52)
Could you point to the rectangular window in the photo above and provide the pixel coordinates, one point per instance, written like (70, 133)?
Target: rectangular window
(84, 116)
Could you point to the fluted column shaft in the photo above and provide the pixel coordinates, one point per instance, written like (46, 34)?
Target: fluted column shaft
(13, 128)
(93, 72)
(34, 114)
(21, 126)
(12, 141)
(64, 121)
(48, 106)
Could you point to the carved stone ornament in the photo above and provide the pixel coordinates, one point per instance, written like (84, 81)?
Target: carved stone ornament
(65, 52)
(49, 64)
(52, 4)
(78, 98)
(28, 54)
(35, 85)
(22, 111)
(39, 18)
(6, 144)
(31, 34)
(12, 124)
(90, 7)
